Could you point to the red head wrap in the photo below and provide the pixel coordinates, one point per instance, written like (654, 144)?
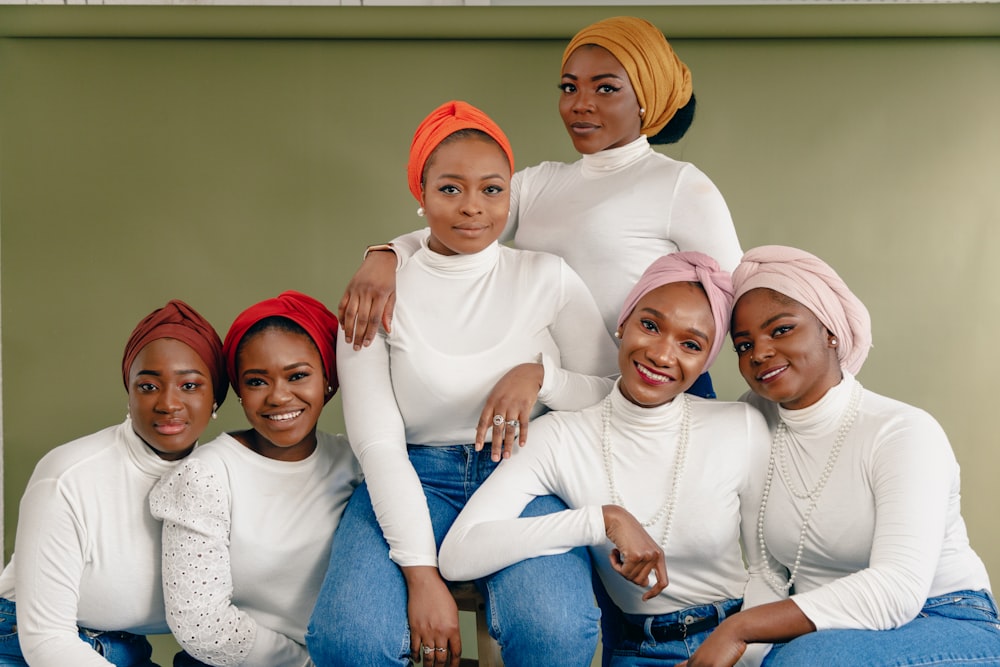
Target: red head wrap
(444, 121)
(307, 312)
(180, 321)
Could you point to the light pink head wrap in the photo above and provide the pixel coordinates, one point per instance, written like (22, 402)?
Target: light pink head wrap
(688, 266)
(813, 283)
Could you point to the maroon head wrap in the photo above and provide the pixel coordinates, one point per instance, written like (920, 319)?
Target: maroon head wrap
(307, 312)
(180, 321)
(443, 122)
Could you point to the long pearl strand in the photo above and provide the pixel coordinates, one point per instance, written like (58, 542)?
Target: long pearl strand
(680, 458)
(779, 443)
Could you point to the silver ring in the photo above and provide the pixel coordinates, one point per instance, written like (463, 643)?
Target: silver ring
(441, 649)
(498, 420)
(428, 650)
(513, 423)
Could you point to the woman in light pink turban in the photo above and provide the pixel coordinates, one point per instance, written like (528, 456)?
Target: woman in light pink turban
(861, 496)
(660, 484)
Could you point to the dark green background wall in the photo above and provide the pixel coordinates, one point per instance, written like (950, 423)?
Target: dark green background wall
(221, 155)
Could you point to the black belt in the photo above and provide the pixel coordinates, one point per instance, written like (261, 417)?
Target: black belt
(668, 632)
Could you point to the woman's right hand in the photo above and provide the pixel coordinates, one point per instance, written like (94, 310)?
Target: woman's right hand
(636, 554)
(433, 617)
(369, 297)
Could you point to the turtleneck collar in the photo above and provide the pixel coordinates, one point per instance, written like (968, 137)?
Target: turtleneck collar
(628, 415)
(824, 416)
(458, 266)
(141, 454)
(595, 165)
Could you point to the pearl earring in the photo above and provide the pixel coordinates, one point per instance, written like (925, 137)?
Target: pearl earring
(329, 389)
(642, 112)
(240, 399)
(833, 342)
(420, 211)
(215, 408)
(618, 335)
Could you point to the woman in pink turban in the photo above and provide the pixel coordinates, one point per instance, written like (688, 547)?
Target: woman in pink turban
(663, 487)
(86, 577)
(619, 207)
(432, 406)
(861, 496)
(248, 518)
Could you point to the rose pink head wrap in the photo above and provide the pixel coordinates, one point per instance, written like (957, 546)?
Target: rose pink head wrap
(440, 124)
(688, 266)
(181, 322)
(307, 312)
(813, 283)
(662, 83)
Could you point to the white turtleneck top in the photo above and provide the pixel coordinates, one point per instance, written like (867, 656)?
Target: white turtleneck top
(887, 531)
(246, 544)
(88, 550)
(461, 323)
(610, 214)
(716, 503)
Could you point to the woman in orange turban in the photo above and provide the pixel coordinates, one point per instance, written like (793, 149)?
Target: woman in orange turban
(428, 421)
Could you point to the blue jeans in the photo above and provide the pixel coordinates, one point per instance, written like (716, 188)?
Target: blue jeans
(702, 386)
(541, 611)
(122, 649)
(646, 651)
(956, 629)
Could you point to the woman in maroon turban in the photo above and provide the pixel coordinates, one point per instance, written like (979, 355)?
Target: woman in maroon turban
(87, 579)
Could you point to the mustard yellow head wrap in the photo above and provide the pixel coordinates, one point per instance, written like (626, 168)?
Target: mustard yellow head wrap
(661, 81)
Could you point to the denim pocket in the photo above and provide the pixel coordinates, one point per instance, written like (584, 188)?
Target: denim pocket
(962, 606)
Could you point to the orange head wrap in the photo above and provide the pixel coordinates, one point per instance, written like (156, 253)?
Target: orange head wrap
(181, 322)
(444, 121)
(661, 81)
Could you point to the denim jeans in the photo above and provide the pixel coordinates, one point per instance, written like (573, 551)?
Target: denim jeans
(960, 628)
(122, 649)
(626, 652)
(541, 611)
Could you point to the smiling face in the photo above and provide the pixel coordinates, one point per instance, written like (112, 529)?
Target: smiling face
(785, 353)
(598, 105)
(466, 194)
(283, 390)
(170, 397)
(665, 343)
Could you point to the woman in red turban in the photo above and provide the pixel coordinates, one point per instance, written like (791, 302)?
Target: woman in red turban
(248, 518)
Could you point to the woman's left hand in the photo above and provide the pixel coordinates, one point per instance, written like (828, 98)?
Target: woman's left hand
(636, 555)
(508, 409)
(721, 649)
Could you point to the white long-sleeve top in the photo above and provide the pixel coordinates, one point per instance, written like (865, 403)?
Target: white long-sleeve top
(88, 550)
(246, 543)
(887, 531)
(610, 214)
(461, 323)
(716, 504)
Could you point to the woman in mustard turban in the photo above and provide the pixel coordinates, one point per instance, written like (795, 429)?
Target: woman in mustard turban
(415, 416)
(616, 210)
(86, 579)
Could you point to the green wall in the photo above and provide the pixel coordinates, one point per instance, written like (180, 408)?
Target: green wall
(221, 155)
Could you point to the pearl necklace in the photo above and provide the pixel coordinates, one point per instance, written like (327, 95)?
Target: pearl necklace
(779, 444)
(680, 458)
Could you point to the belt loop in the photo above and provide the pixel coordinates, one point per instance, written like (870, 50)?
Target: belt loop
(647, 628)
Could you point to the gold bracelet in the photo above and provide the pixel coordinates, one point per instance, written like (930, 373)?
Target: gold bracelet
(376, 248)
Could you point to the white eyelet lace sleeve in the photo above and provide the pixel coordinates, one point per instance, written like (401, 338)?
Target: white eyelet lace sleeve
(197, 580)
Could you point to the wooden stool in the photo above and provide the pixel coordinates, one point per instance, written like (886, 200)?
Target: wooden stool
(467, 598)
